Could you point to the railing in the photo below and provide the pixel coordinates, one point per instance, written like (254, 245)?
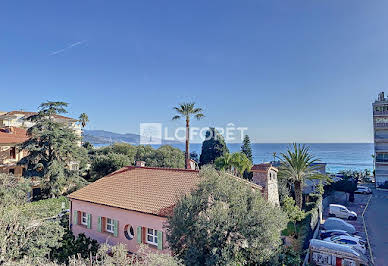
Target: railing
(380, 125)
(380, 112)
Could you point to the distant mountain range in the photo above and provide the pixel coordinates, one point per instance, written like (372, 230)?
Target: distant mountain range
(102, 137)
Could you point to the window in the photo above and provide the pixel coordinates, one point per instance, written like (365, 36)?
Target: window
(84, 218)
(12, 152)
(12, 171)
(129, 232)
(110, 227)
(152, 236)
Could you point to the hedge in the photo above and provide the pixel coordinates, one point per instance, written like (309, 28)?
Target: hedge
(309, 223)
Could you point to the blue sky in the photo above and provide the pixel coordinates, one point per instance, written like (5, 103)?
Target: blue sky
(304, 71)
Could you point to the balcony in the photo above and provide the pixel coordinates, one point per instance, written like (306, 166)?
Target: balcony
(381, 139)
(382, 113)
(381, 125)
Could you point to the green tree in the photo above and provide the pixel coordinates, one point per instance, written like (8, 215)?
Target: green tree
(347, 185)
(169, 157)
(212, 147)
(294, 213)
(103, 165)
(186, 111)
(52, 149)
(23, 232)
(246, 148)
(297, 165)
(224, 162)
(83, 119)
(236, 162)
(224, 222)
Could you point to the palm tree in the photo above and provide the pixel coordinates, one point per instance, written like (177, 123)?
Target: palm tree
(297, 166)
(240, 163)
(186, 110)
(274, 156)
(236, 163)
(224, 162)
(83, 119)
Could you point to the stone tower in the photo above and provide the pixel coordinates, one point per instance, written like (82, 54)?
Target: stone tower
(266, 176)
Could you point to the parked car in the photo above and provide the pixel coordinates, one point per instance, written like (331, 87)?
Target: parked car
(336, 210)
(329, 233)
(350, 241)
(339, 224)
(330, 253)
(363, 190)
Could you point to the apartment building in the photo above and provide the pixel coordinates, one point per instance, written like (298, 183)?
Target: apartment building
(10, 154)
(380, 126)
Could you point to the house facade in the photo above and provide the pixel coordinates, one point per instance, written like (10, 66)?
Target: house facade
(10, 154)
(13, 132)
(131, 205)
(20, 119)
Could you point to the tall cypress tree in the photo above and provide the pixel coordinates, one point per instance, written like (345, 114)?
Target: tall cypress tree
(213, 147)
(246, 148)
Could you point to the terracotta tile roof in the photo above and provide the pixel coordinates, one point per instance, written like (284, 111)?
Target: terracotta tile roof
(18, 135)
(263, 167)
(144, 189)
(28, 114)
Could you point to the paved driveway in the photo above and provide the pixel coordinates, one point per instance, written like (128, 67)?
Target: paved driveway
(376, 218)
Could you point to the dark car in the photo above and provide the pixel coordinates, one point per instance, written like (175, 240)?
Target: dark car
(329, 233)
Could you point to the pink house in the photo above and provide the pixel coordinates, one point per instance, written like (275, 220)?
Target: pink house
(131, 205)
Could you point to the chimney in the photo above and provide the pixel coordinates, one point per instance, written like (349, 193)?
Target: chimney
(192, 165)
(140, 163)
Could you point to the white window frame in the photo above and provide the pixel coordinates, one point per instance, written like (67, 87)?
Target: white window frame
(111, 224)
(84, 218)
(153, 233)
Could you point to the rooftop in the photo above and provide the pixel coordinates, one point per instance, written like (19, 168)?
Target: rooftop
(144, 189)
(16, 136)
(149, 190)
(28, 114)
(263, 167)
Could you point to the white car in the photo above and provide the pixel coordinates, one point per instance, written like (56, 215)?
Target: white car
(350, 241)
(363, 190)
(336, 210)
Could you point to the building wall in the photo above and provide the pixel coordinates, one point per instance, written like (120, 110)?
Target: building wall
(124, 217)
(7, 163)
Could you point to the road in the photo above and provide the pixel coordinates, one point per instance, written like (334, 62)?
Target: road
(376, 217)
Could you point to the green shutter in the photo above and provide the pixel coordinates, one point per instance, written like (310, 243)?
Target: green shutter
(139, 232)
(99, 224)
(116, 231)
(160, 240)
(89, 221)
(75, 217)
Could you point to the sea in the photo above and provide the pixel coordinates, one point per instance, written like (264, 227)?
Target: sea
(337, 156)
